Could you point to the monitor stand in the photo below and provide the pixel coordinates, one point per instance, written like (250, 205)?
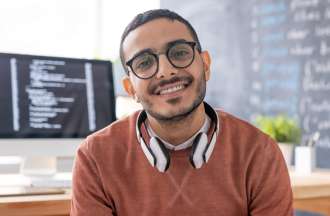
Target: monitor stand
(38, 166)
(42, 172)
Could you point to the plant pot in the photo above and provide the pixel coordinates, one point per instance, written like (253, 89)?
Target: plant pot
(287, 151)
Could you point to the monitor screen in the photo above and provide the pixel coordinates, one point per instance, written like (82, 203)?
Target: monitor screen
(52, 97)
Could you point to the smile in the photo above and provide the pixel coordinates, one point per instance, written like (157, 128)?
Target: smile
(171, 88)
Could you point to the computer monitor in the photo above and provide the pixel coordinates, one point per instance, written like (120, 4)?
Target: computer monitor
(48, 105)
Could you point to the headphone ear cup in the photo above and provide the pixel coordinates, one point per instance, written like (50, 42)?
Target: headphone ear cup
(196, 156)
(162, 156)
(209, 148)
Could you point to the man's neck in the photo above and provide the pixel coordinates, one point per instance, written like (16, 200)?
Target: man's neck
(177, 132)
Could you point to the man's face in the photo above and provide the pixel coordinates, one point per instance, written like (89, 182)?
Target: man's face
(173, 92)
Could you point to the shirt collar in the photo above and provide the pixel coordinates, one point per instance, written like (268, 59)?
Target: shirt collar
(186, 144)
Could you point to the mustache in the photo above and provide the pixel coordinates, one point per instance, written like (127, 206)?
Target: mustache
(152, 88)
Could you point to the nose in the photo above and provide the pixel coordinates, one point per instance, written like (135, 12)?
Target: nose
(165, 68)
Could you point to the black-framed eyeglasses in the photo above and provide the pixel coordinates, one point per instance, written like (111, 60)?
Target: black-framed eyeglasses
(180, 54)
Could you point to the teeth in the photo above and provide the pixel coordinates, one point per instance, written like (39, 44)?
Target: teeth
(173, 89)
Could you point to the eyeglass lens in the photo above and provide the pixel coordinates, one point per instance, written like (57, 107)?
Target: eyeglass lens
(180, 55)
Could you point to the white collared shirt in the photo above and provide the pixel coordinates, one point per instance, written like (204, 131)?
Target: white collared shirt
(205, 127)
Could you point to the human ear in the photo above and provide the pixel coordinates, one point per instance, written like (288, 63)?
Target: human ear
(206, 64)
(129, 88)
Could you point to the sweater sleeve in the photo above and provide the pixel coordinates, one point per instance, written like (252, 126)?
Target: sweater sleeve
(268, 183)
(88, 196)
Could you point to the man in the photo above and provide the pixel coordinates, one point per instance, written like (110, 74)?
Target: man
(178, 156)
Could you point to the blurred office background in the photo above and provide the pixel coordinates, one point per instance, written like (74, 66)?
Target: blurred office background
(87, 29)
(246, 40)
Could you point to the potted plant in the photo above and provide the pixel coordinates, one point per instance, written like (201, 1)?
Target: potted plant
(284, 130)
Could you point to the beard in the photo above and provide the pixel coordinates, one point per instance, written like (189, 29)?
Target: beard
(183, 112)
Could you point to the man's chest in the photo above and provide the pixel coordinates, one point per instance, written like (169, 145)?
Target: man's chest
(180, 192)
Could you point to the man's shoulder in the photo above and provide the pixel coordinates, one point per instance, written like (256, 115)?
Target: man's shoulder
(119, 131)
(232, 122)
(242, 140)
(117, 128)
(239, 129)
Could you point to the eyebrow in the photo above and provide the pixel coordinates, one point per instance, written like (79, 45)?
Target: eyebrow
(140, 52)
(167, 45)
(171, 43)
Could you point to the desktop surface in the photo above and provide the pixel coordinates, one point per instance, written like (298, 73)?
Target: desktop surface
(59, 180)
(28, 191)
(310, 192)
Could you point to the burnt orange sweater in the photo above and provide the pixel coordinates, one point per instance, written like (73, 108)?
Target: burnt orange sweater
(246, 175)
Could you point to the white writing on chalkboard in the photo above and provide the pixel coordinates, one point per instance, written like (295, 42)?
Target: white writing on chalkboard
(327, 13)
(297, 34)
(317, 67)
(307, 104)
(322, 31)
(305, 16)
(324, 48)
(324, 125)
(296, 4)
(310, 84)
(301, 50)
(290, 52)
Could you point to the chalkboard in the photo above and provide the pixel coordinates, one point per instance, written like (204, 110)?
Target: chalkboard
(268, 57)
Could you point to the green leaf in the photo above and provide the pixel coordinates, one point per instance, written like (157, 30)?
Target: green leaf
(281, 128)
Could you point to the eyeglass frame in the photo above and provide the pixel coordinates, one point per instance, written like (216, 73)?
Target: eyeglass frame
(192, 44)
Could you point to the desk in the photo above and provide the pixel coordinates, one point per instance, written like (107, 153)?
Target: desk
(311, 193)
(41, 205)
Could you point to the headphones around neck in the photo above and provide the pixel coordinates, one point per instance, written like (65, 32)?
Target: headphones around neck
(158, 155)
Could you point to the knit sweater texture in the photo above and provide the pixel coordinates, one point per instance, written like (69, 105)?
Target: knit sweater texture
(245, 176)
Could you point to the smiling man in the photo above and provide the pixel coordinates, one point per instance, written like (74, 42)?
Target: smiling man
(178, 156)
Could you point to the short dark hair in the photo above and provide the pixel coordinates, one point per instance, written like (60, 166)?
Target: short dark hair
(148, 16)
